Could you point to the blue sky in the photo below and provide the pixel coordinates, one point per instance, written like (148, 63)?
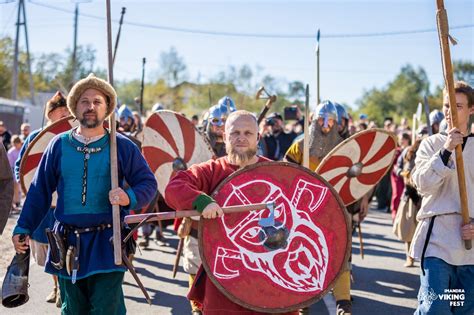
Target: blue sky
(349, 65)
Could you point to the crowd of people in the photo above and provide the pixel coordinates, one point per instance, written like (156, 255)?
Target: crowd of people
(420, 186)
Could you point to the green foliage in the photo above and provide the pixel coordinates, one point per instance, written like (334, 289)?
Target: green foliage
(464, 70)
(400, 97)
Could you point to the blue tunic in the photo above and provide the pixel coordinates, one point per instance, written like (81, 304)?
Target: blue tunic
(61, 169)
(39, 234)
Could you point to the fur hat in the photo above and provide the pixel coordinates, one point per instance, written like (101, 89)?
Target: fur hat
(55, 102)
(92, 82)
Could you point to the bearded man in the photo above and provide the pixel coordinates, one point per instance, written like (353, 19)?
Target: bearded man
(325, 133)
(89, 280)
(216, 122)
(191, 189)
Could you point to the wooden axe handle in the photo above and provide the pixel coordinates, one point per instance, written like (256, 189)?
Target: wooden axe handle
(137, 218)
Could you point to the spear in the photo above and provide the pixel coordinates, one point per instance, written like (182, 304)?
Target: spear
(118, 34)
(444, 37)
(117, 241)
(427, 114)
(142, 87)
(317, 65)
(306, 130)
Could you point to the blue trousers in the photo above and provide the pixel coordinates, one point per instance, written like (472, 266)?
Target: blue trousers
(446, 289)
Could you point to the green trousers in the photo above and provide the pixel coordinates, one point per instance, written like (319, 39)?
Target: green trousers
(95, 295)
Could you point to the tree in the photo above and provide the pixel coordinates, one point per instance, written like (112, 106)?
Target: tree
(464, 70)
(173, 68)
(296, 90)
(399, 98)
(7, 50)
(56, 70)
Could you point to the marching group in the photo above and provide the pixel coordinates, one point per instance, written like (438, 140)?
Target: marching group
(420, 187)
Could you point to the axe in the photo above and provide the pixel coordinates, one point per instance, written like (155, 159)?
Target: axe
(149, 217)
(270, 100)
(143, 218)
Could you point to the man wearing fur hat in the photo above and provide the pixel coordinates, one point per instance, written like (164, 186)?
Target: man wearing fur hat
(88, 277)
(56, 109)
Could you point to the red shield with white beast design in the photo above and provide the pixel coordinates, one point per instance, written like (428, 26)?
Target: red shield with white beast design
(285, 265)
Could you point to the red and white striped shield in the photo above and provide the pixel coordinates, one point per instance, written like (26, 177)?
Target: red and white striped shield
(172, 143)
(358, 163)
(33, 154)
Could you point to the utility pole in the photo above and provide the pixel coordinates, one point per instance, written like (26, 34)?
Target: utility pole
(74, 49)
(21, 12)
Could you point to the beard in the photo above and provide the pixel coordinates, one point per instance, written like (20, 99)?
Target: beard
(239, 158)
(126, 127)
(322, 140)
(90, 122)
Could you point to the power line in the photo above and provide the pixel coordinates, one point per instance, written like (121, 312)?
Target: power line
(256, 35)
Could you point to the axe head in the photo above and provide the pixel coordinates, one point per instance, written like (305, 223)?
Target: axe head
(270, 220)
(258, 96)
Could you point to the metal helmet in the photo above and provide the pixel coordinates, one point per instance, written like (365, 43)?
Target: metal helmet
(326, 110)
(341, 113)
(218, 113)
(422, 130)
(125, 113)
(226, 101)
(157, 107)
(436, 117)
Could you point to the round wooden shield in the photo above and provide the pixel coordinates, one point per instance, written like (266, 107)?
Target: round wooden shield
(34, 152)
(358, 163)
(172, 143)
(285, 266)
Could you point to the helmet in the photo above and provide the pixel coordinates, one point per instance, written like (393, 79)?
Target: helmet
(341, 113)
(219, 112)
(227, 100)
(124, 112)
(436, 117)
(157, 107)
(326, 110)
(422, 130)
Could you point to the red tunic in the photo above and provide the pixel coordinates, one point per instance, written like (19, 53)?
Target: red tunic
(180, 194)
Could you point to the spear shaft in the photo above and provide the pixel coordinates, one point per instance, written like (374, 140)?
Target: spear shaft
(443, 32)
(113, 148)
